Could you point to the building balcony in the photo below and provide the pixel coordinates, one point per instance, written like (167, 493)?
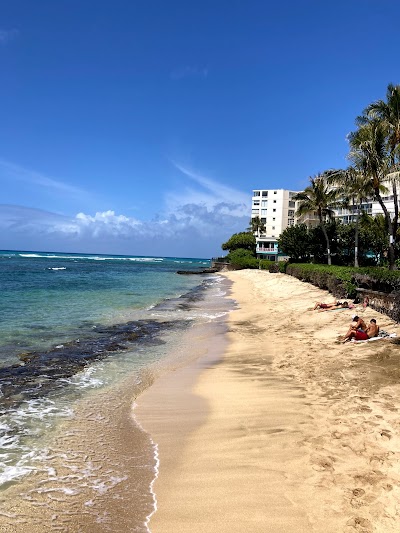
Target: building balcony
(263, 250)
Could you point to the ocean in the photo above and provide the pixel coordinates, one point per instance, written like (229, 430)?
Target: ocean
(80, 337)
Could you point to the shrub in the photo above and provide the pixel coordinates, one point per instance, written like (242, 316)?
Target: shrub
(266, 265)
(274, 267)
(242, 258)
(343, 281)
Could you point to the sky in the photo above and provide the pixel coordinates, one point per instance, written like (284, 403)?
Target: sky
(141, 127)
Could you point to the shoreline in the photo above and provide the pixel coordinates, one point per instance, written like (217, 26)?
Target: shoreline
(102, 458)
(289, 431)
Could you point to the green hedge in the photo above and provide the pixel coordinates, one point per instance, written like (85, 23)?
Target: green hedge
(265, 264)
(343, 281)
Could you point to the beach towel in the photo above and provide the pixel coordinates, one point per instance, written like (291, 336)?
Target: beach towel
(379, 338)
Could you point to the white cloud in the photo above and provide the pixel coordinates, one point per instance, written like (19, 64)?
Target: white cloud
(197, 220)
(194, 231)
(209, 193)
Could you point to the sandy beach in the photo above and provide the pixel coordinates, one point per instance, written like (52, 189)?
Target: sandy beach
(290, 431)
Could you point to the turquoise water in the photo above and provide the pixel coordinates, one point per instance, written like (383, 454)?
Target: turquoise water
(48, 298)
(72, 323)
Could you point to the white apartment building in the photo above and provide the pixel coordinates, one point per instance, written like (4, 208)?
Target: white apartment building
(276, 210)
(370, 206)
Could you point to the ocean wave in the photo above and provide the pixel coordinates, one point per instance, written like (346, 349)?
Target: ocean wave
(56, 268)
(19, 426)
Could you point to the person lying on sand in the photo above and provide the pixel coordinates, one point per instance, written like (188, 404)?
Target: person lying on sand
(360, 334)
(321, 306)
(328, 307)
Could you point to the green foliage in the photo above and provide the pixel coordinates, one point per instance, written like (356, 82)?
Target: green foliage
(244, 240)
(256, 225)
(241, 258)
(373, 232)
(265, 264)
(342, 281)
(283, 266)
(295, 242)
(300, 243)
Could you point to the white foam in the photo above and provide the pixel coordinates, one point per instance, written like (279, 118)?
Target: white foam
(86, 378)
(56, 268)
(10, 473)
(156, 469)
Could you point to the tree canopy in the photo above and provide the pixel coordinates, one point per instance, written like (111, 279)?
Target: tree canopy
(245, 240)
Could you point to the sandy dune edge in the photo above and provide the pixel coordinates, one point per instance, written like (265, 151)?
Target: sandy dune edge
(292, 431)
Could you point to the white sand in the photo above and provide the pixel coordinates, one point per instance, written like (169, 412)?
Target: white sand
(292, 431)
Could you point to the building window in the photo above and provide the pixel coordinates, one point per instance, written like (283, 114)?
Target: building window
(265, 193)
(263, 220)
(291, 213)
(273, 227)
(274, 201)
(264, 203)
(256, 193)
(256, 202)
(263, 212)
(292, 204)
(254, 211)
(274, 210)
(273, 219)
(275, 192)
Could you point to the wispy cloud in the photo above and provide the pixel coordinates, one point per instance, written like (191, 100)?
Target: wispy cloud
(208, 192)
(196, 221)
(189, 72)
(13, 171)
(8, 35)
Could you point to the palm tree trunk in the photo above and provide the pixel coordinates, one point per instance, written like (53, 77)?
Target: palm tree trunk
(396, 211)
(328, 246)
(356, 238)
(391, 256)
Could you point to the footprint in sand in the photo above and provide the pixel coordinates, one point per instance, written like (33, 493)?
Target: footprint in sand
(323, 465)
(357, 500)
(385, 434)
(362, 525)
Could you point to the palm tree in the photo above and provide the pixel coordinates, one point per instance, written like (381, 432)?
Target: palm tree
(369, 153)
(355, 189)
(389, 114)
(257, 226)
(318, 197)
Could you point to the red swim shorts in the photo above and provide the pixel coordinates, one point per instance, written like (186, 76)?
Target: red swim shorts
(361, 336)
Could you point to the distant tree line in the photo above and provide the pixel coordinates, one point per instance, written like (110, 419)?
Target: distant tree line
(302, 244)
(374, 154)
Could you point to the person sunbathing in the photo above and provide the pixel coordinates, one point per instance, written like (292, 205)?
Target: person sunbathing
(321, 306)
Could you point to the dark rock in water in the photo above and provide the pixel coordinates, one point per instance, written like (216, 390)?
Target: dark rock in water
(27, 356)
(39, 373)
(203, 271)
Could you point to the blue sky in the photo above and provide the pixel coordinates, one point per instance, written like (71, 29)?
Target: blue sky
(141, 127)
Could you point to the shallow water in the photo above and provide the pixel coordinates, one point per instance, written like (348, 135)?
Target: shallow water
(66, 430)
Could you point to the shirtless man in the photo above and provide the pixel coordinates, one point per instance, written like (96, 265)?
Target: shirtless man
(321, 306)
(359, 335)
(357, 326)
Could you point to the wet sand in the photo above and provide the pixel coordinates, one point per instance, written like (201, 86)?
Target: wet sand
(291, 431)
